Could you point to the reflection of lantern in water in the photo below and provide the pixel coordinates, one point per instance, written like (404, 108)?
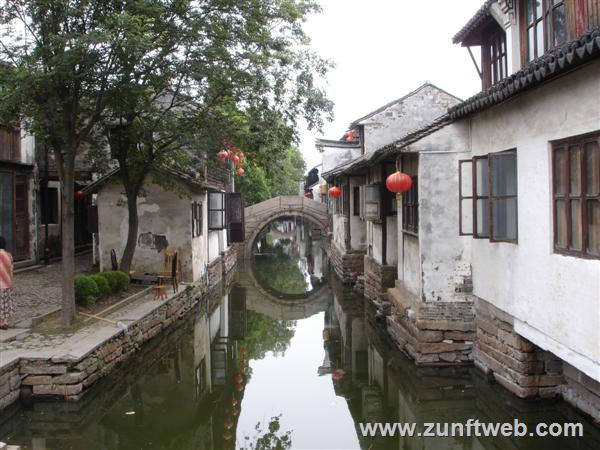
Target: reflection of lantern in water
(337, 374)
(227, 435)
(234, 402)
(239, 387)
(235, 411)
(239, 378)
(228, 423)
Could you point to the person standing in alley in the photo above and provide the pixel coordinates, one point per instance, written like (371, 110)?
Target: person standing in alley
(6, 282)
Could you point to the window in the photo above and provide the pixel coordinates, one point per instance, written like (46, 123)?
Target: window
(410, 208)
(345, 200)
(196, 219)
(371, 203)
(495, 196)
(496, 57)
(465, 197)
(576, 196)
(544, 27)
(216, 211)
(356, 201)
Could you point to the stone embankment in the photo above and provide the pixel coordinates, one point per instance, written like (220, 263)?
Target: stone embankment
(66, 366)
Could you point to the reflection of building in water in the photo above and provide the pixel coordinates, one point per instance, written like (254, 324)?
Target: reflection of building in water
(380, 384)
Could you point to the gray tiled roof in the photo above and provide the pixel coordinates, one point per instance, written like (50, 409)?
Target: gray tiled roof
(480, 16)
(550, 65)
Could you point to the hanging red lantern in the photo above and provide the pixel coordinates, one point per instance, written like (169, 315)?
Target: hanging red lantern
(337, 374)
(239, 378)
(79, 196)
(240, 154)
(239, 387)
(234, 402)
(240, 171)
(228, 423)
(350, 136)
(235, 411)
(239, 163)
(222, 155)
(227, 435)
(235, 158)
(335, 191)
(399, 183)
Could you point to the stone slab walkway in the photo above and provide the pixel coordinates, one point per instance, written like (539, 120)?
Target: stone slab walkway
(75, 346)
(38, 291)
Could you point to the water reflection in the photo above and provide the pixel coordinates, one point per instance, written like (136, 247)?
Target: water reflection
(251, 370)
(289, 258)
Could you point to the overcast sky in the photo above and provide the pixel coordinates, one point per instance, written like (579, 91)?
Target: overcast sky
(384, 49)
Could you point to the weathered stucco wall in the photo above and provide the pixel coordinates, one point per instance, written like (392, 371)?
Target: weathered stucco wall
(394, 122)
(164, 222)
(554, 299)
(358, 227)
(335, 157)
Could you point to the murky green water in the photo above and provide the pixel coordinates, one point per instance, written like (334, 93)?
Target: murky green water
(283, 360)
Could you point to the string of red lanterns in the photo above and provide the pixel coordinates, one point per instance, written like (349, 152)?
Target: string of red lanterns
(235, 156)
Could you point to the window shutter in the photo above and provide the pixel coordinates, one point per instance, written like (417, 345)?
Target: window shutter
(362, 202)
(235, 216)
(465, 197)
(372, 202)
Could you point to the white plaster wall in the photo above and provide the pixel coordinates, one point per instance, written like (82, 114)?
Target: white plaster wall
(334, 157)
(214, 250)
(555, 298)
(394, 122)
(339, 230)
(358, 227)
(200, 243)
(442, 257)
(160, 213)
(392, 240)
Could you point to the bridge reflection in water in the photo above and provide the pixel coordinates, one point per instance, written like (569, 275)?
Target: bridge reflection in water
(309, 366)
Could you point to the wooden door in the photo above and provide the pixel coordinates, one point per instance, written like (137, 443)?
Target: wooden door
(21, 236)
(7, 226)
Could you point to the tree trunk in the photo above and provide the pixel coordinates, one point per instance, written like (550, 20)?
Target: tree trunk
(132, 230)
(68, 242)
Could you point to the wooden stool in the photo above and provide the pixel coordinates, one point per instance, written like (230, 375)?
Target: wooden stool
(160, 290)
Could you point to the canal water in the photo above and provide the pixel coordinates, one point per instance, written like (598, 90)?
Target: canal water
(285, 358)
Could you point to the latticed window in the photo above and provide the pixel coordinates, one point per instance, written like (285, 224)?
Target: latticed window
(545, 26)
(196, 219)
(576, 193)
(410, 208)
(216, 211)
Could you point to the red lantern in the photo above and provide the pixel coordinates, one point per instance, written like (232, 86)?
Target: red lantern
(308, 194)
(335, 191)
(228, 423)
(337, 374)
(240, 154)
(235, 411)
(227, 436)
(239, 387)
(398, 182)
(239, 163)
(234, 402)
(243, 350)
(235, 158)
(239, 378)
(350, 136)
(78, 196)
(222, 155)
(240, 171)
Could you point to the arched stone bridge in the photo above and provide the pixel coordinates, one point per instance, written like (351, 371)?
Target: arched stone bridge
(258, 216)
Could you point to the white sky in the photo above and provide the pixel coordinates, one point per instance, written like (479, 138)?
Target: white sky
(384, 49)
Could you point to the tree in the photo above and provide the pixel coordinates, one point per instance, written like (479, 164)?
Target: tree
(56, 82)
(220, 57)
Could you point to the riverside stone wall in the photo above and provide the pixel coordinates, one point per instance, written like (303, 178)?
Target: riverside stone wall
(377, 279)
(347, 265)
(69, 378)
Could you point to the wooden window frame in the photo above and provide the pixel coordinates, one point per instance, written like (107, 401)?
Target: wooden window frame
(490, 198)
(565, 144)
(547, 21)
(410, 204)
(494, 56)
(222, 210)
(197, 222)
(462, 197)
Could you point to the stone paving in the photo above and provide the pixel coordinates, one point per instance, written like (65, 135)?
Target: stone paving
(38, 291)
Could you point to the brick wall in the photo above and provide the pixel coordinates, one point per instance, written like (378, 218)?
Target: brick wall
(432, 333)
(377, 279)
(513, 361)
(347, 265)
